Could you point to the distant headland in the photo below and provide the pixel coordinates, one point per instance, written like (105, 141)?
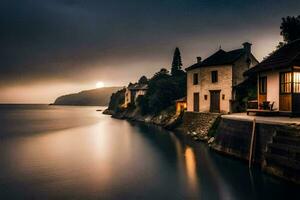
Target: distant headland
(94, 97)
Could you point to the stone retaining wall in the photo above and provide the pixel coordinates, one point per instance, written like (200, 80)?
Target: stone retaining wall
(198, 124)
(233, 137)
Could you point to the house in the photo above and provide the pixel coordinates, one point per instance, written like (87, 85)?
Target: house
(278, 78)
(211, 83)
(133, 91)
(181, 105)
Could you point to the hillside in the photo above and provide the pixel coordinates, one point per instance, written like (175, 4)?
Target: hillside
(94, 97)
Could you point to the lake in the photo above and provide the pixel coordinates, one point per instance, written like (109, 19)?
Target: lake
(66, 152)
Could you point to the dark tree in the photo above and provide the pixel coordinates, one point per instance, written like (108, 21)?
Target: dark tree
(176, 63)
(163, 90)
(143, 80)
(162, 73)
(290, 28)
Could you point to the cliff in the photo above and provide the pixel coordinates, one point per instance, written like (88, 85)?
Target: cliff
(94, 97)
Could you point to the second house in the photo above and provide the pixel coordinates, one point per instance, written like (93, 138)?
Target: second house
(211, 83)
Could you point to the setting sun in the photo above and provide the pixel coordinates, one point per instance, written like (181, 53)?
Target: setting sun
(99, 84)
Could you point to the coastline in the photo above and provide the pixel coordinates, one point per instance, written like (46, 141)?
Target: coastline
(230, 138)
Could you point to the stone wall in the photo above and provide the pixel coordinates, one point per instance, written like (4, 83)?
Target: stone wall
(233, 137)
(197, 124)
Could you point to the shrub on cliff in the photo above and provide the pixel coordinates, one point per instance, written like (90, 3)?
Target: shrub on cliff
(116, 100)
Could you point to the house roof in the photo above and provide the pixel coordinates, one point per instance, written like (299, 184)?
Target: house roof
(284, 57)
(138, 86)
(221, 57)
(183, 99)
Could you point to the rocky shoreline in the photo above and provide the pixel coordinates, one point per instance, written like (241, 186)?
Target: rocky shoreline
(198, 126)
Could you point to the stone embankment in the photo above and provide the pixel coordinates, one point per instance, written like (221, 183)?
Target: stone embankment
(198, 125)
(276, 147)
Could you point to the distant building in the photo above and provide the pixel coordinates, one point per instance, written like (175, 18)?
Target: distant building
(278, 78)
(181, 105)
(133, 91)
(211, 83)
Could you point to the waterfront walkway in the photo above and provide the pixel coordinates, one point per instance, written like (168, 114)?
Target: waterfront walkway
(279, 120)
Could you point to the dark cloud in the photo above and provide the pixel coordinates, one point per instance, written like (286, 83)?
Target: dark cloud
(59, 39)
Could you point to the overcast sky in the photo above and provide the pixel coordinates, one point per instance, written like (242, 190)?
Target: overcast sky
(53, 47)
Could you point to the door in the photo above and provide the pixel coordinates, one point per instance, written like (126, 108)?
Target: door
(215, 101)
(196, 102)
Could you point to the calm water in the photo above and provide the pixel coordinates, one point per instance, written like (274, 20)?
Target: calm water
(50, 152)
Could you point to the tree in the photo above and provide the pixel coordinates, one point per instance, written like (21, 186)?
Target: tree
(162, 73)
(176, 63)
(163, 90)
(290, 28)
(143, 80)
(290, 31)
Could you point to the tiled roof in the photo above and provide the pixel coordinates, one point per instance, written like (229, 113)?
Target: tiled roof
(221, 57)
(284, 57)
(138, 86)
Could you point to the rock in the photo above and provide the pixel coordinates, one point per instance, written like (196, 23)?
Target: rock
(211, 140)
(194, 133)
(196, 138)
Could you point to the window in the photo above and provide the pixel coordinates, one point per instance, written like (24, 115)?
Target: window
(285, 83)
(214, 76)
(205, 97)
(263, 85)
(195, 79)
(296, 82)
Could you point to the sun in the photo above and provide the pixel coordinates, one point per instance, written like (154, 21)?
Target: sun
(99, 84)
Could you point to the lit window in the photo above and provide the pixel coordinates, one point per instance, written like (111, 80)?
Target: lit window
(296, 82)
(286, 83)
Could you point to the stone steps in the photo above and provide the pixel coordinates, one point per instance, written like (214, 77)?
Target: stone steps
(282, 161)
(283, 155)
(287, 140)
(285, 150)
(288, 133)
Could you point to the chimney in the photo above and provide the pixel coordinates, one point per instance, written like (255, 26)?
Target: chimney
(199, 59)
(247, 48)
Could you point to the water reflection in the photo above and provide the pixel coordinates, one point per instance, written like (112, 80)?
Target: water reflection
(114, 159)
(190, 162)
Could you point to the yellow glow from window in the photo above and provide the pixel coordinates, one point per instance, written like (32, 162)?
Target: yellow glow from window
(296, 82)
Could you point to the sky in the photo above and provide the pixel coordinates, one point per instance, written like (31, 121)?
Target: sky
(54, 47)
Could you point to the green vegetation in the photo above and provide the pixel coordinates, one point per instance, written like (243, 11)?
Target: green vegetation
(163, 90)
(290, 28)
(116, 100)
(290, 31)
(176, 63)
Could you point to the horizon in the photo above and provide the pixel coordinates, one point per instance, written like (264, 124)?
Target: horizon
(53, 48)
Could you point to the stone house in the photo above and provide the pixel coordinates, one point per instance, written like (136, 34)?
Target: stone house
(133, 91)
(278, 79)
(211, 83)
